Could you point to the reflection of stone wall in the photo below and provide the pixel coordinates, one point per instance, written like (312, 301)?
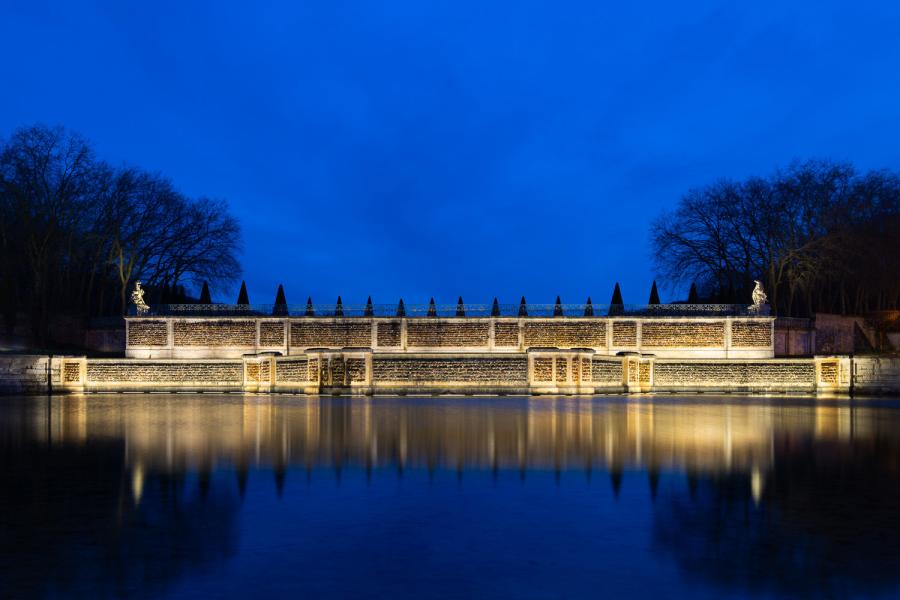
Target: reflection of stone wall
(563, 334)
(271, 333)
(162, 372)
(430, 334)
(697, 334)
(513, 370)
(331, 334)
(213, 333)
(772, 374)
(148, 333)
(751, 335)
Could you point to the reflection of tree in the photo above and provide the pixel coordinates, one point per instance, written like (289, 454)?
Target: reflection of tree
(826, 523)
(70, 523)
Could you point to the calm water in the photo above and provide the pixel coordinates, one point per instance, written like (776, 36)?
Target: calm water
(212, 496)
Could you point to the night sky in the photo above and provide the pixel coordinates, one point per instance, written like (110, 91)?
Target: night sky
(430, 148)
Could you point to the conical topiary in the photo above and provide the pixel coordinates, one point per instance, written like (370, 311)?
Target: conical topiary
(243, 298)
(460, 308)
(310, 311)
(495, 308)
(557, 308)
(339, 308)
(589, 308)
(164, 295)
(432, 309)
(280, 309)
(654, 295)
(401, 310)
(693, 296)
(205, 298)
(523, 308)
(370, 310)
(616, 306)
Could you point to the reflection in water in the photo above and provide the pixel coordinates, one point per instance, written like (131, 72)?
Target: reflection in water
(140, 491)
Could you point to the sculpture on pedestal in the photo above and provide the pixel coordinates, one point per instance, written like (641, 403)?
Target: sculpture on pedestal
(760, 299)
(137, 298)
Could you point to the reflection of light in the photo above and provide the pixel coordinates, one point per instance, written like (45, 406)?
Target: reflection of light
(756, 485)
(137, 483)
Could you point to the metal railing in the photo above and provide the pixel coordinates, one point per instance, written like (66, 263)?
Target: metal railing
(449, 310)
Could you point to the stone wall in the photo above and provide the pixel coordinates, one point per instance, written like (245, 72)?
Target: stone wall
(774, 375)
(345, 333)
(751, 335)
(425, 333)
(458, 370)
(545, 371)
(683, 334)
(565, 334)
(148, 333)
(233, 337)
(219, 332)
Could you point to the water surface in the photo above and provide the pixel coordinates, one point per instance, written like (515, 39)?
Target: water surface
(224, 495)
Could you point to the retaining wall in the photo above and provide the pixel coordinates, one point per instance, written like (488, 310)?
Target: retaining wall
(544, 371)
(231, 337)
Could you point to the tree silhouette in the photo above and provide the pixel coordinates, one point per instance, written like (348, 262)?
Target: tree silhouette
(339, 308)
(370, 309)
(523, 308)
(558, 309)
(243, 298)
(654, 295)
(616, 305)
(460, 308)
(310, 311)
(401, 309)
(205, 297)
(280, 309)
(432, 309)
(693, 296)
(589, 308)
(495, 308)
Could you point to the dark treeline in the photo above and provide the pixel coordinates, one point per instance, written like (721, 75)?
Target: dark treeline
(76, 232)
(820, 236)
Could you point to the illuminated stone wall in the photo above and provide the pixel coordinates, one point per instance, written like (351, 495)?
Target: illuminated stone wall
(507, 370)
(772, 374)
(751, 335)
(565, 334)
(219, 332)
(116, 374)
(683, 334)
(666, 338)
(331, 334)
(148, 333)
(447, 334)
(606, 372)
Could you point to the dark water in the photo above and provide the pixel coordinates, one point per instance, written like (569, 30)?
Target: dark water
(220, 496)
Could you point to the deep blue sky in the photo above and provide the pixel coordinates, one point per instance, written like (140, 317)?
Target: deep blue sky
(444, 148)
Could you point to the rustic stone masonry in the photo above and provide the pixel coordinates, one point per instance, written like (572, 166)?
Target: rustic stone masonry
(606, 371)
(547, 371)
(148, 333)
(331, 334)
(447, 334)
(565, 334)
(543, 369)
(786, 374)
(506, 334)
(751, 335)
(624, 333)
(513, 370)
(71, 372)
(271, 333)
(163, 372)
(192, 337)
(218, 332)
(388, 334)
(293, 370)
(685, 334)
